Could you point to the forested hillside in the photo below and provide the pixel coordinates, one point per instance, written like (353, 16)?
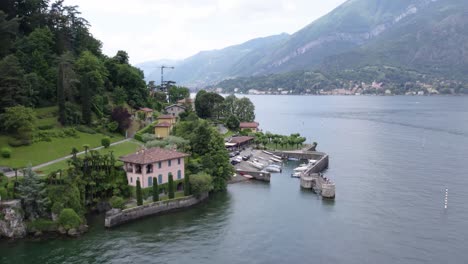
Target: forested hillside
(48, 57)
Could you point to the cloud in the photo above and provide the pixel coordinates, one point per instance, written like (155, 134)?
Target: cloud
(175, 29)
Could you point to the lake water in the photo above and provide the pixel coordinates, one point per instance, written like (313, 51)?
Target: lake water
(391, 158)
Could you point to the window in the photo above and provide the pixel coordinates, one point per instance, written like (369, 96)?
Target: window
(169, 163)
(138, 169)
(159, 165)
(149, 168)
(150, 181)
(178, 161)
(160, 178)
(179, 174)
(131, 179)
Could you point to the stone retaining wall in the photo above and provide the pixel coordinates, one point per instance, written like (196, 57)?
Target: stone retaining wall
(116, 217)
(257, 175)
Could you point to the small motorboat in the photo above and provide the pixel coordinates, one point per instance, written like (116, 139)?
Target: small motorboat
(255, 165)
(272, 169)
(311, 161)
(296, 175)
(248, 176)
(275, 160)
(277, 157)
(293, 159)
(301, 168)
(267, 152)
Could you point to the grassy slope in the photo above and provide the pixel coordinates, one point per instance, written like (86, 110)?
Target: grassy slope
(118, 150)
(41, 152)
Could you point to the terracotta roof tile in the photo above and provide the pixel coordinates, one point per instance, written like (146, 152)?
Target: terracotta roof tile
(163, 124)
(166, 117)
(146, 109)
(152, 155)
(240, 140)
(248, 125)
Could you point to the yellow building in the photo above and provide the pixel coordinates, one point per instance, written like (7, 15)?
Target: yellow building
(162, 130)
(167, 118)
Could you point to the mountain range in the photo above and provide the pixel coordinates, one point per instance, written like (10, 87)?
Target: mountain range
(429, 37)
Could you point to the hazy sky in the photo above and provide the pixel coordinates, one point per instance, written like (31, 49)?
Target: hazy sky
(176, 29)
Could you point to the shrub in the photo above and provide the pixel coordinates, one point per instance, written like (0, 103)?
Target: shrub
(105, 142)
(112, 126)
(148, 137)
(70, 132)
(155, 190)
(117, 202)
(68, 218)
(41, 224)
(6, 153)
(85, 129)
(171, 194)
(45, 127)
(3, 193)
(187, 185)
(57, 207)
(200, 183)
(14, 142)
(139, 194)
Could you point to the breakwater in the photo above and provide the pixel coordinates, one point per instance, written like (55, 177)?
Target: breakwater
(117, 217)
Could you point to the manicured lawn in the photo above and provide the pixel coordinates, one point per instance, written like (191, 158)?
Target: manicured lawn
(41, 152)
(118, 150)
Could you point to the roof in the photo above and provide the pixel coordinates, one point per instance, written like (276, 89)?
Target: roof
(166, 117)
(146, 109)
(248, 125)
(152, 155)
(175, 105)
(185, 100)
(240, 140)
(163, 124)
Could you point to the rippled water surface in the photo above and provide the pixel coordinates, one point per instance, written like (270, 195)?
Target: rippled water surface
(391, 157)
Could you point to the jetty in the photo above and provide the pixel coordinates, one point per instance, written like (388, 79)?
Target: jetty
(312, 177)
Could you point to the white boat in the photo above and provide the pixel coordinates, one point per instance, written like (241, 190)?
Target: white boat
(311, 161)
(255, 165)
(296, 175)
(301, 169)
(293, 159)
(275, 160)
(267, 152)
(272, 169)
(276, 166)
(277, 157)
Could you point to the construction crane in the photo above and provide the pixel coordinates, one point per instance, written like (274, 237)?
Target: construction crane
(162, 74)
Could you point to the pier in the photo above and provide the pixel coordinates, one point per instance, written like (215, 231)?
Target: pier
(312, 177)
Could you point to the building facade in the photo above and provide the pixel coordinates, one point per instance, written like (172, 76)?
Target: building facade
(154, 164)
(253, 126)
(174, 110)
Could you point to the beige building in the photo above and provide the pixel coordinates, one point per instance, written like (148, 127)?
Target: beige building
(175, 109)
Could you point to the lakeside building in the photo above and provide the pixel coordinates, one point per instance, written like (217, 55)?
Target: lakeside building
(175, 109)
(144, 165)
(239, 142)
(253, 126)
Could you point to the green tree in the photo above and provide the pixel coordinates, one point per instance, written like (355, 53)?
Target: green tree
(86, 98)
(155, 190)
(33, 195)
(65, 85)
(201, 183)
(177, 93)
(187, 185)
(120, 95)
(68, 218)
(8, 32)
(138, 193)
(19, 121)
(12, 86)
(105, 142)
(233, 123)
(208, 105)
(170, 187)
(245, 110)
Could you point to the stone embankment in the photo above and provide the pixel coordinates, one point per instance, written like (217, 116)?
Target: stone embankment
(11, 220)
(117, 217)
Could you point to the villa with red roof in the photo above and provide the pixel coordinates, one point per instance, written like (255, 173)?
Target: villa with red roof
(158, 163)
(253, 126)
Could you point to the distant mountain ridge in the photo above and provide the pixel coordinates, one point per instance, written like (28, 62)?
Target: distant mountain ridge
(430, 36)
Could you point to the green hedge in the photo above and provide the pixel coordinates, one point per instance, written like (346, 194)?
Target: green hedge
(44, 225)
(68, 218)
(148, 192)
(145, 130)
